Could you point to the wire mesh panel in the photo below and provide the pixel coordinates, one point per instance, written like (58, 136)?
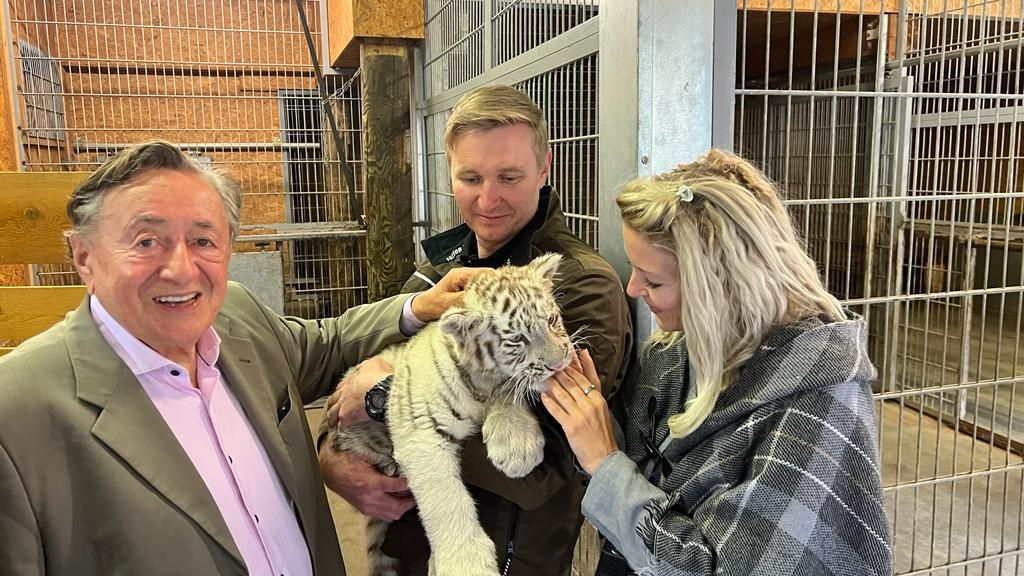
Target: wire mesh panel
(466, 38)
(568, 97)
(520, 25)
(894, 129)
(442, 211)
(230, 82)
(816, 147)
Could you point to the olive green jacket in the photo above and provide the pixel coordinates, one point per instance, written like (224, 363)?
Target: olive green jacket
(92, 480)
(535, 520)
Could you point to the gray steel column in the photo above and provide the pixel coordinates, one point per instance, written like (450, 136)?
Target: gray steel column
(666, 96)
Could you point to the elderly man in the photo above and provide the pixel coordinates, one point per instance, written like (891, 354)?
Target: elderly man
(159, 428)
(498, 155)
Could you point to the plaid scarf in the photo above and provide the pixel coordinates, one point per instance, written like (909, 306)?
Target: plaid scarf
(783, 476)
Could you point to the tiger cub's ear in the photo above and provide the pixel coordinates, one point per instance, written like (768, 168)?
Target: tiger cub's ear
(546, 266)
(459, 323)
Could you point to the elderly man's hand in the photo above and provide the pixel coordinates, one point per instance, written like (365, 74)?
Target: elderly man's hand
(363, 486)
(428, 306)
(347, 405)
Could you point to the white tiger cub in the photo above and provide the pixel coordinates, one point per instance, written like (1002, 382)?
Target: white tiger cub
(472, 370)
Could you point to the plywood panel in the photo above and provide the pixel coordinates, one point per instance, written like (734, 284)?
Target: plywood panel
(33, 215)
(28, 310)
(352, 21)
(812, 40)
(267, 33)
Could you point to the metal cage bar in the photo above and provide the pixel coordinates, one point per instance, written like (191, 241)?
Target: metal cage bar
(894, 129)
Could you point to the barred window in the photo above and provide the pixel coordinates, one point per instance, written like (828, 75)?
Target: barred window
(43, 92)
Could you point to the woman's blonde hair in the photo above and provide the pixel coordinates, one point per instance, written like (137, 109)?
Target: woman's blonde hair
(742, 268)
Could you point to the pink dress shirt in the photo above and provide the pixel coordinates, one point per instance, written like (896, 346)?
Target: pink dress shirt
(211, 426)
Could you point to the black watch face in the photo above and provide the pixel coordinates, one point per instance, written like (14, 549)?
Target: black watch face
(377, 400)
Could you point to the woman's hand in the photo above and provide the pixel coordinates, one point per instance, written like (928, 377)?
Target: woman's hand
(574, 399)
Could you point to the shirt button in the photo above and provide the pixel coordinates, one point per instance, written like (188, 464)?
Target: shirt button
(175, 372)
(257, 518)
(231, 460)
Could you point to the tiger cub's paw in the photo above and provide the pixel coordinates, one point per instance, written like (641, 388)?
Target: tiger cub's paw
(515, 443)
(475, 557)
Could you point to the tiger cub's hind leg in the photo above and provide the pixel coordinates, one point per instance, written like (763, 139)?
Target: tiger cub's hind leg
(377, 562)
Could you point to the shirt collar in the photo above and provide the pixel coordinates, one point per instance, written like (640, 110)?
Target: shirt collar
(459, 243)
(512, 251)
(135, 353)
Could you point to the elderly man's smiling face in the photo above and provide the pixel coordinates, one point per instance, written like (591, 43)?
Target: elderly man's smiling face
(157, 259)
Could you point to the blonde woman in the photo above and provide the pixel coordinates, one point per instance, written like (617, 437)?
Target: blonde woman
(750, 443)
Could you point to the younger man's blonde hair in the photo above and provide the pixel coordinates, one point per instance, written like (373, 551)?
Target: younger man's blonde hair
(491, 107)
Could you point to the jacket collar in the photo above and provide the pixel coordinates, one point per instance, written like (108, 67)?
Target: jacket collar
(458, 245)
(129, 424)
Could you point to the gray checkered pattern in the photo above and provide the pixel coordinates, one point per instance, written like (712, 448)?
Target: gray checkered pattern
(782, 479)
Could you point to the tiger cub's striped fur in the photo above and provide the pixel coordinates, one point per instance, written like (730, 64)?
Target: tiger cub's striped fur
(470, 371)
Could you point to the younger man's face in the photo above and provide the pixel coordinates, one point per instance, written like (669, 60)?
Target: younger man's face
(496, 180)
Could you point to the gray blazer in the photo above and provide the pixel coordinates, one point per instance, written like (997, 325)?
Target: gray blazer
(93, 482)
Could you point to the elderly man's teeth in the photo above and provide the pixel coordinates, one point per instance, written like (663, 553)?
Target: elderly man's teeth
(175, 299)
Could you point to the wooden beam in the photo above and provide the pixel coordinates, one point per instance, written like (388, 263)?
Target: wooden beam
(33, 215)
(823, 6)
(351, 22)
(387, 139)
(799, 30)
(28, 310)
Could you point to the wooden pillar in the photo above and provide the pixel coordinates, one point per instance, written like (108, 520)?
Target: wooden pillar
(387, 144)
(10, 274)
(10, 160)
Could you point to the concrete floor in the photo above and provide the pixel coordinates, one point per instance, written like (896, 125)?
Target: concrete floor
(349, 522)
(927, 357)
(952, 498)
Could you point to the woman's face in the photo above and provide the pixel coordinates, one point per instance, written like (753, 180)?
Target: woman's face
(655, 278)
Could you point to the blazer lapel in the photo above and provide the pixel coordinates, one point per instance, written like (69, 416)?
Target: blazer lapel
(130, 425)
(262, 402)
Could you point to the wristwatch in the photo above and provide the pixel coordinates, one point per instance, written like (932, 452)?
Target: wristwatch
(377, 399)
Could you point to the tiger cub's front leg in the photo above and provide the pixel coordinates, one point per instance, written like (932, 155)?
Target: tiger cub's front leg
(515, 443)
(459, 546)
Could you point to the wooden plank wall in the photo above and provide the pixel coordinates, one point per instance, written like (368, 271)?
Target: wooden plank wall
(32, 224)
(33, 216)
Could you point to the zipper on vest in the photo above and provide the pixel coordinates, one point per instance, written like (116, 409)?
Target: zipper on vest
(510, 542)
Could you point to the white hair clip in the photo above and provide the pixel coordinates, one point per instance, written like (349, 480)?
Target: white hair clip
(684, 194)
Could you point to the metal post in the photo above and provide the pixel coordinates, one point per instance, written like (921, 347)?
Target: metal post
(659, 63)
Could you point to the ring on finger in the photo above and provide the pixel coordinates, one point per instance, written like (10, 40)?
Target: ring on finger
(590, 388)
